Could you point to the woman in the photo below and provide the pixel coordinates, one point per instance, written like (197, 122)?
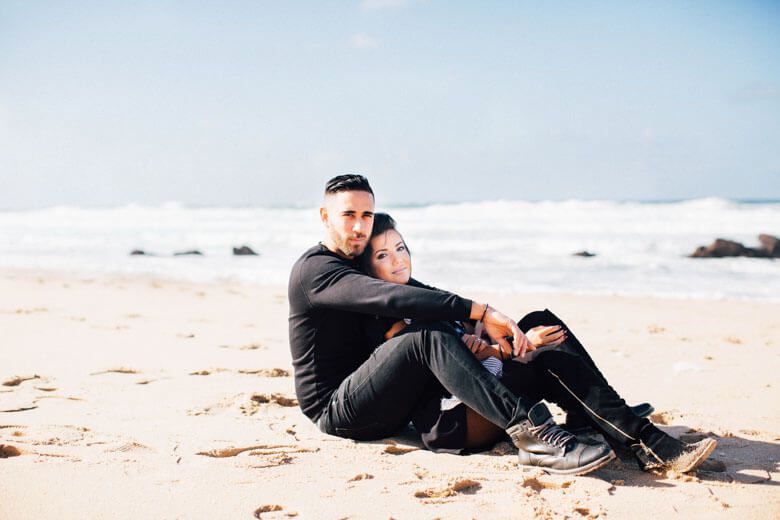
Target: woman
(558, 370)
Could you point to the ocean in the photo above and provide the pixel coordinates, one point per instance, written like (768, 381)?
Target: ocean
(500, 246)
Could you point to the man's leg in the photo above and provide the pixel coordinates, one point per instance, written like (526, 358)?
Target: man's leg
(377, 399)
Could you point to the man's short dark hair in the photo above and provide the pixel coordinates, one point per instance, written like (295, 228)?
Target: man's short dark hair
(348, 183)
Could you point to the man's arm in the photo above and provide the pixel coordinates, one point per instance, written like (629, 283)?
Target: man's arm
(329, 282)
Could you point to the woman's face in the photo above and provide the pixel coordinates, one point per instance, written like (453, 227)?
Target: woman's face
(390, 261)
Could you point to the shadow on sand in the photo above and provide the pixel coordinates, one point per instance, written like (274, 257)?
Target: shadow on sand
(739, 460)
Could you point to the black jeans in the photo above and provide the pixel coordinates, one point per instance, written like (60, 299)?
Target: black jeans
(378, 398)
(568, 376)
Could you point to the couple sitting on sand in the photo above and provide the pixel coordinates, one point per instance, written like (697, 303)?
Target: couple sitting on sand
(374, 349)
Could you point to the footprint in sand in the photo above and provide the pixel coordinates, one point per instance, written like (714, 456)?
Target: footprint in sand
(399, 450)
(118, 370)
(267, 509)
(6, 451)
(266, 372)
(534, 482)
(454, 487)
(208, 372)
(248, 346)
(132, 447)
(13, 403)
(34, 310)
(17, 380)
(361, 476)
(258, 449)
(278, 399)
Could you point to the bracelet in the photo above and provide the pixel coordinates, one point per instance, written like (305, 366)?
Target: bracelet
(487, 306)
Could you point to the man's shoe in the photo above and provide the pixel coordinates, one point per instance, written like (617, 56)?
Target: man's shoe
(542, 443)
(657, 450)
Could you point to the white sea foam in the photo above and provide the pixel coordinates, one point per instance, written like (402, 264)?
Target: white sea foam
(493, 245)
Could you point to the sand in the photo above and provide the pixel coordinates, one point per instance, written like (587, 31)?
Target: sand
(140, 398)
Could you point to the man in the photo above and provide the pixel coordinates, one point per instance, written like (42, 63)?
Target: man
(349, 391)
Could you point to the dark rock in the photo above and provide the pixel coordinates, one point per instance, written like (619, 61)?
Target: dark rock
(136, 252)
(719, 249)
(723, 248)
(244, 251)
(185, 253)
(586, 254)
(771, 245)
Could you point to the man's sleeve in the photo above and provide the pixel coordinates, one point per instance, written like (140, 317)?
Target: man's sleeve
(329, 283)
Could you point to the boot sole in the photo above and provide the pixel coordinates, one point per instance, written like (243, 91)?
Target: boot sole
(708, 448)
(582, 470)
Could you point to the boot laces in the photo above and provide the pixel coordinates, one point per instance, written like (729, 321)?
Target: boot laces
(552, 434)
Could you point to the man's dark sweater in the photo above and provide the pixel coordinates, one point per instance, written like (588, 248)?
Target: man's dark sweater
(328, 298)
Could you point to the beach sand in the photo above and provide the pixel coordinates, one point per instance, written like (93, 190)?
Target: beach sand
(127, 398)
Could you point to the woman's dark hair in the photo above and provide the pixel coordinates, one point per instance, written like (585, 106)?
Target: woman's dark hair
(348, 183)
(382, 223)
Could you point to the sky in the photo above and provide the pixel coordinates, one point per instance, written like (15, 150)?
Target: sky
(251, 103)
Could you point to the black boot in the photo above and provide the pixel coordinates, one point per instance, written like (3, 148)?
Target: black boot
(542, 443)
(657, 450)
(578, 424)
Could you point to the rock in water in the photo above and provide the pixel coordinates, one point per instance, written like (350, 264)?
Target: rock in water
(771, 244)
(244, 251)
(723, 248)
(586, 254)
(185, 253)
(719, 249)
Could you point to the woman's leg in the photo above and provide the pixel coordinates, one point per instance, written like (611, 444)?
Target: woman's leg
(480, 433)
(572, 345)
(567, 380)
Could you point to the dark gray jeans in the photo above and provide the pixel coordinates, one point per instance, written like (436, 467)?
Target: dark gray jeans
(378, 399)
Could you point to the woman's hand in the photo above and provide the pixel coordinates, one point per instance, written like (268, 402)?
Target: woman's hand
(546, 336)
(475, 344)
(397, 327)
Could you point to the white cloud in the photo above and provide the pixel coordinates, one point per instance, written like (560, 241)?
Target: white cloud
(363, 41)
(372, 5)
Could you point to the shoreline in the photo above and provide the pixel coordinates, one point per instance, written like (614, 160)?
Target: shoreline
(66, 274)
(171, 399)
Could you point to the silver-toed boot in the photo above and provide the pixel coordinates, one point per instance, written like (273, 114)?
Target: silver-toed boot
(542, 443)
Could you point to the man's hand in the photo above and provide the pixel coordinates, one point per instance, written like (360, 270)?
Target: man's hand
(546, 335)
(499, 327)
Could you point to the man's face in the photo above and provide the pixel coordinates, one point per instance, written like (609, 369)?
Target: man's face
(348, 217)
